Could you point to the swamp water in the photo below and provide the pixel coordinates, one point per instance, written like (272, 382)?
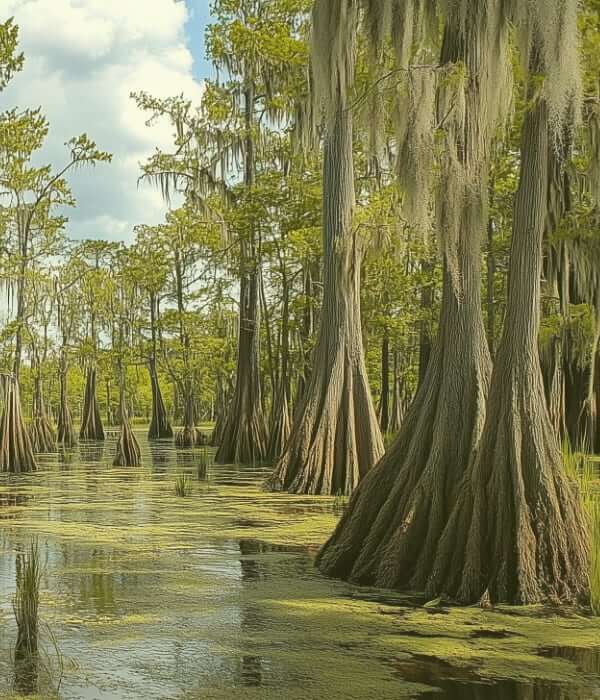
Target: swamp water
(148, 595)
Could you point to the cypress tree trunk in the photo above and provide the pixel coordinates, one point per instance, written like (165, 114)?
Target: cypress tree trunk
(397, 415)
(384, 405)
(244, 436)
(189, 435)
(91, 422)
(281, 420)
(553, 371)
(16, 453)
(160, 428)
(425, 341)
(220, 411)
(335, 437)
(306, 331)
(41, 432)
(128, 449)
(389, 533)
(519, 529)
(65, 432)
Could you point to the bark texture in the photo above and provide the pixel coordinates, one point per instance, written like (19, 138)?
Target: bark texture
(244, 436)
(335, 437)
(281, 425)
(16, 452)
(518, 531)
(160, 428)
(189, 435)
(398, 402)
(91, 422)
(65, 431)
(384, 404)
(41, 431)
(388, 535)
(128, 449)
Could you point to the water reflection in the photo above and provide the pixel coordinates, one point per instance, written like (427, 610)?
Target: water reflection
(458, 683)
(66, 456)
(585, 660)
(91, 451)
(160, 455)
(256, 563)
(9, 499)
(26, 670)
(158, 597)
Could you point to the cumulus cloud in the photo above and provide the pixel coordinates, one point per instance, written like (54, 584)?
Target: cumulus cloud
(83, 59)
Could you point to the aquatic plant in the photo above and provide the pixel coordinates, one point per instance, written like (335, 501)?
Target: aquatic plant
(26, 611)
(580, 467)
(340, 502)
(593, 508)
(204, 462)
(183, 486)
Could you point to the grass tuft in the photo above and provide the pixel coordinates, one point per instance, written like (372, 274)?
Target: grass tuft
(204, 462)
(581, 468)
(26, 610)
(183, 486)
(340, 502)
(593, 509)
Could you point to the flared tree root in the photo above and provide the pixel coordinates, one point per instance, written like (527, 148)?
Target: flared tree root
(128, 449)
(65, 432)
(160, 427)
(16, 452)
(42, 435)
(91, 422)
(389, 534)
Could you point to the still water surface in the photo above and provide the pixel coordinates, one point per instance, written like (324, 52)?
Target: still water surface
(148, 595)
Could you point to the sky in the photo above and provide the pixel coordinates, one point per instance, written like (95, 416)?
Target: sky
(83, 58)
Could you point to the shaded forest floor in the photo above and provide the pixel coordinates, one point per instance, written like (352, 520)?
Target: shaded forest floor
(214, 595)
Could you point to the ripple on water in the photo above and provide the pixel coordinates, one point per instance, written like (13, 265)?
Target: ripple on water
(215, 596)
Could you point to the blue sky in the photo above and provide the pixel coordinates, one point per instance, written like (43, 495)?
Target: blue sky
(81, 74)
(199, 17)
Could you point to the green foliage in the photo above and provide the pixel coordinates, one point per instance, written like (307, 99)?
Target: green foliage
(581, 468)
(10, 61)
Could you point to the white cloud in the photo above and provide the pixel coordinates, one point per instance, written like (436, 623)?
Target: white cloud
(83, 58)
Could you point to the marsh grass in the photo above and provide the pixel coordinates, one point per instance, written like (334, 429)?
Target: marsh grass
(594, 514)
(204, 462)
(580, 467)
(340, 502)
(183, 486)
(26, 610)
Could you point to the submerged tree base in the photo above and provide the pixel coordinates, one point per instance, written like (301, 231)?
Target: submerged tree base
(519, 529)
(16, 452)
(189, 436)
(42, 435)
(91, 422)
(129, 453)
(65, 432)
(160, 428)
